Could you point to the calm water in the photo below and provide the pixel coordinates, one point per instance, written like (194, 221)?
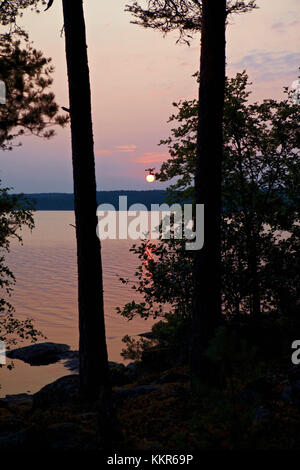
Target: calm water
(46, 291)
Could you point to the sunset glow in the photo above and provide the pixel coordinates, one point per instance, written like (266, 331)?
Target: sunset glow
(136, 75)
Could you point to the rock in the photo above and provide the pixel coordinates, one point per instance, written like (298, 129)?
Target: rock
(247, 396)
(3, 403)
(294, 374)
(10, 421)
(116, 364)
(262, 387)
(15, 440)
(287, 394)
(291, 393)
(72, 361)
(262, 415)
(64, 436)
(124, 393)
(132, 371)
(119, 374)
(89, 415)
(40, 354)
(22, 398)
(173, 377)
(63, 390)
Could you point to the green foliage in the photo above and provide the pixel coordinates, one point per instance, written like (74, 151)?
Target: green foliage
(30, 106)
(10, 10)
(163, 278)
(134, 348)
(172, 332)
(169, 335)
(13, 216)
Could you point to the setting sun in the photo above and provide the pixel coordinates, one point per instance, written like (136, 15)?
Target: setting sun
(150, 178)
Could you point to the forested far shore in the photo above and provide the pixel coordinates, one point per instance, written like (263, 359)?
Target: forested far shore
(65, 201)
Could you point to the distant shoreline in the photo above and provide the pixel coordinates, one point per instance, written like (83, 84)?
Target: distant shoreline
(65, 201)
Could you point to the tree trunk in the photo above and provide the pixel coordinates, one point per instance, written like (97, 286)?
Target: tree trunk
(207, 264)
(92, 341)
(255, 301)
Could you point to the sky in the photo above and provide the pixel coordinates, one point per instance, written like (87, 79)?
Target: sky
(136, 75)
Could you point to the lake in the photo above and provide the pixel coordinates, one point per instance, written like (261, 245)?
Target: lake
(46, 291)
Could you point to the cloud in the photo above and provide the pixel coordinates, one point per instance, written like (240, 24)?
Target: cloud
(103, 152)
(283, 27)
(279, 27)
(126, 148)
(116, 149)
(270, 65)
(151, 157)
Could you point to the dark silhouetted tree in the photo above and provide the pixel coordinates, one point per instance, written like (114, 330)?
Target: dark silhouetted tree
(94, 374)
(189, 16)
(208, 180)
(92, 348)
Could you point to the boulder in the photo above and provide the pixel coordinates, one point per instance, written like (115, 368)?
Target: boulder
(247, 397)
(291, 393)
(72, 361)
(262, 386)
(132, 370)
(20, 398)
(294, 374)
(173, 377)
(124, 393)
(262, 415)
(62, 391)
(40, 354)
(64, 436)
(119, 374)
(15, 440)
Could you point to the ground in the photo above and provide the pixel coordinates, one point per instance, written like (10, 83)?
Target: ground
(158, 413)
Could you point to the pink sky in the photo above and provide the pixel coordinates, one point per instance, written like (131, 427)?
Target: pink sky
(136, 74)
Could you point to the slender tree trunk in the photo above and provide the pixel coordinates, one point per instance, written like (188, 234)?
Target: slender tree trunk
(207, 264)
(255, 307)
(92, 342)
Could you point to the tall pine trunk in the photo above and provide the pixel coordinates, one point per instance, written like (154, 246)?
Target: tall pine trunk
(92, 341)
(207, 263)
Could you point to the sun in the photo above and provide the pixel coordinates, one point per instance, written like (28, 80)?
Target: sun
(150, 178)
